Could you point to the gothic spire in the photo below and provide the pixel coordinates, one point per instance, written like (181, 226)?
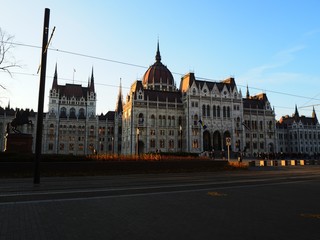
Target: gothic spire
(92, 82)
(119, 108)
(248, 94)
(296, 114)
(314, 116)
(158, 56)
(55, 79)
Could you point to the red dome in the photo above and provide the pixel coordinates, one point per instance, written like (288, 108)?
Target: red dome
(158, 76)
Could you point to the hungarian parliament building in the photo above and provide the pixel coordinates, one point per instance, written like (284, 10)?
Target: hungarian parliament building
(157, 116)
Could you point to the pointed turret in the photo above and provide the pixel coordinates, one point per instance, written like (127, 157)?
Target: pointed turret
(158, 56)
(296, 114)
(314, 116)
(92, 82)
(248, 94)
(119, 108)
(55, 79)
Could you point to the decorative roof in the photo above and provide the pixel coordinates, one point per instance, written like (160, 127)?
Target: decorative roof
(158, 76)
(286, 121)
(73, 90)
(259, 101)
(189, 79)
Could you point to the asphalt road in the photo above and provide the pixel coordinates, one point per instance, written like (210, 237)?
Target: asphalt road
(261, 203)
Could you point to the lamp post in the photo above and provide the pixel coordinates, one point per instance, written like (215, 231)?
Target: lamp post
(112, 144)
(180, 138)
(138, 132)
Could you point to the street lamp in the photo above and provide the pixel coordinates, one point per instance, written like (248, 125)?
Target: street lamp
(112, 144)
(180, 138)
(138, 132)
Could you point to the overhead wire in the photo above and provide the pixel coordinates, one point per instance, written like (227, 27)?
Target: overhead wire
(145, 67)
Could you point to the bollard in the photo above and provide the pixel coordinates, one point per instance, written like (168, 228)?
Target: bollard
(283, 163)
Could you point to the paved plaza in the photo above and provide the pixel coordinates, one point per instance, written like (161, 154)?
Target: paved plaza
(260, 203)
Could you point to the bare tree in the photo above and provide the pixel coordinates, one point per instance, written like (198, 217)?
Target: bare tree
(7, 61)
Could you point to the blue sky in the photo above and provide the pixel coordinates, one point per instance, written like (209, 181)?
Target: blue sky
(271, 46)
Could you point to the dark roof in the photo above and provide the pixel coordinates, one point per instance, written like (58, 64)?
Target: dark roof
(255, 102)
(189, 79)
(286, 121)
(158, 74)
(70, 90)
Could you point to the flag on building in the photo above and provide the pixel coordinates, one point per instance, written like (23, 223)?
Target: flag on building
(202, 124)
(246, 126)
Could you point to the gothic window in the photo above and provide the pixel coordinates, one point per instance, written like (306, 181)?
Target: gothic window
(238, 122)
(91, 130)
(171, 143)
(228, 112)
(208, 110)
(194, 91)
(169, 121)
(173, 121)
(224, 112)
(63, 112)
(214, 111)
(153, 120)
(72, 113)
(195, 119)
(195, 143)
(162, 143)
(163, 120)
(152, 143)
(218, 111)
(81, 113)
(203, 110)
(141, 119)
(160, 120)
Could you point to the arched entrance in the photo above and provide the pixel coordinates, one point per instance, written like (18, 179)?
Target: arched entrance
(206, 141)
(217, 141)
(141, 147)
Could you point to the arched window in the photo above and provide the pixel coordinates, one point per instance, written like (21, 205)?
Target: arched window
(203, 110)
(81, 113)
(169, 121)
(208, 110)
(228, 112)
(218, 111)
(171, 144)
(195, 120)
(141, 119)
(160, 120)
(224, 112)
(214, 111)
(63, 112)
(153, 120)
(72, 113)
(163, 120)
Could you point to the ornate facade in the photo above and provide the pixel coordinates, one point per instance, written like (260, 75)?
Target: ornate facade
(260, 125)
(155, 115)
(298, 134)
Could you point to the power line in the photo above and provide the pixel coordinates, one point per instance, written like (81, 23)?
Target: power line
(140, 66)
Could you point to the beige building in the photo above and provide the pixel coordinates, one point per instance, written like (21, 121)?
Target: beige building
(260, 125)
(155, 115)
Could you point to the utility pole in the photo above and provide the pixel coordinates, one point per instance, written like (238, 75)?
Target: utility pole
(36, 179)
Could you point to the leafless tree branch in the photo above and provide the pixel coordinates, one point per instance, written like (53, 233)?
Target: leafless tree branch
(7, 61)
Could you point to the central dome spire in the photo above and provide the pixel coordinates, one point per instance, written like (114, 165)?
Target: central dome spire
(158, 56)
(158, 76)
